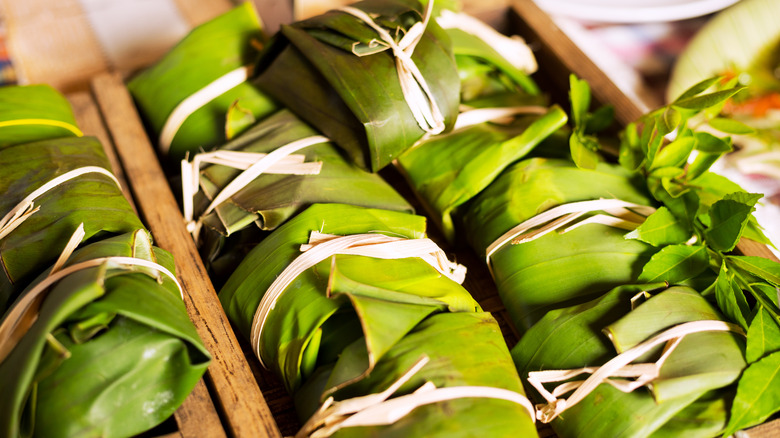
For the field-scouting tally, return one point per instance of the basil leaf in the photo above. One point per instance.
(729, 216)
(730, 126)
(675, 264)
(661, 228)
(758, 394)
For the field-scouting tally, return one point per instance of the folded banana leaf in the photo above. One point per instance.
(110, 350)
(352, 325)
(211, 51)
(340, 75)
(271, 199)
(475, 156)
(92, 198)
(34, 112)
(489, 63)
(554, 270)
(689, 395)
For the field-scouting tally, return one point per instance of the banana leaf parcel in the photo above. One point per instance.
(346, 325)
(286, 166)
(185, 99)
(536, 269)
(490, 65)
(373, 77)
(98, 346)
(50, 187)
(659, 368)
(34, 112)
(476, 155)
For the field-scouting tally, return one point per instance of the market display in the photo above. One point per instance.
(612, 252)
(95, 339)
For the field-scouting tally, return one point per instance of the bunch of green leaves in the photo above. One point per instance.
(313, 68)
(702, 219)
(584, 146)
(352, 325)
(208, 52)
(111, 352)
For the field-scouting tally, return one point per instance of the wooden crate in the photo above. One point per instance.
(239, 398)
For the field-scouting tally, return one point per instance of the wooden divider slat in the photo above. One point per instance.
(197, 416)
(236, 392)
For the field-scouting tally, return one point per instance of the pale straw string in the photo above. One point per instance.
(321, 247)
(513, 48)
(197, 100)
(474, 116)
(280, 161)
(26, 208)
(619, 366)
(24, 312)
(379, 410)
(415, 89)
(619, 216)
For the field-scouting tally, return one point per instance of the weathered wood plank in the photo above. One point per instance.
(236, 391)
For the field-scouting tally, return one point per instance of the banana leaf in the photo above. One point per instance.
(209, 52)
(94, 199)
(351, 325)
(690, 395)
(475, 156)
(481, 54)
(555, 270)
(271, 199)
(34, 112)
(112, 351)
(357, 100)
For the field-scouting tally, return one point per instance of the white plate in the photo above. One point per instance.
(632, 11)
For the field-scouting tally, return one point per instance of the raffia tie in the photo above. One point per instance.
(415, 89)
(379, 410)
(474, 116)
(617, 213)
(197, 100)
(619, 366)
(323, 246)
(280, 161)
(26, 208)
(25, 311)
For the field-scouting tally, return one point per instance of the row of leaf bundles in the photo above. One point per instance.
(365, 322)
(373, 77)
(94, 338)
(555, 234)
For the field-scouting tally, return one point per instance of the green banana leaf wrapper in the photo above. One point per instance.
(272, 199)
(689, 398)
(356, 100)
(111, 353)
(484, 72)
(208, 52)
(34, 112)
(352, 325)
(555, 270)
(93, 199)
(475, 156)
